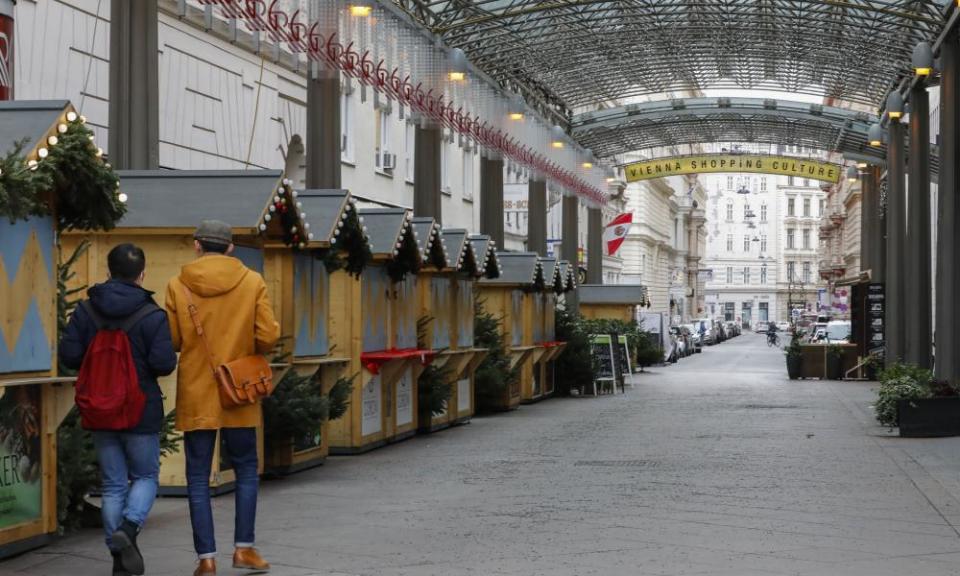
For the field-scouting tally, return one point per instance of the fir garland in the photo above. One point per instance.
(84, 188)
(407, 260)
(437, 257)
(349, 250)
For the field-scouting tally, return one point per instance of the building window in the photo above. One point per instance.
(791, 207)
(746, 274)
(444, 164)
(806, 239)
(763, 212)
(746, 211)
(763, 274)
(410, 141)
(806, 182)
(763, 184)
(346, 127)
(729, 182)
(806, 207)
(789, 180)
(729, 211)
(806, 272)
(729, 274)
(822, 204)
(467, 172)
(791, 271)
(746, 243)
(729, 311)
(790, 238)
(729, 242)
(384, 162)
(764, 312)
(763, 243)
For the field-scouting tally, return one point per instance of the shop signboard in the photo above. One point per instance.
(875, 318)
(21, 477)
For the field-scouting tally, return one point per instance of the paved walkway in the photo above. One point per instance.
(715, 466)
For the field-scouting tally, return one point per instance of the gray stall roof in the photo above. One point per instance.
(521, 268)
(485, 251)
(551, 275)
(612, 294)
(323, 209)
(182, 198)
(460, 251)
(385, 228)
(28, 120)
(567, 275)
(430, 243)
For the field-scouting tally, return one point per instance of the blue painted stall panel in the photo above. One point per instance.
(28, 316)
(311, 295)
(442, 300)
(465, 314)
(537, 317)
(516, 316)
(549, 318)
(406, 313)
(375, 302)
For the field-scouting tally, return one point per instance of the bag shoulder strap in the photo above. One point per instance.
(141, 313)
(195, 318)
(98, 320)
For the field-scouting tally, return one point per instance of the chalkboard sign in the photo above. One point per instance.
(624, 348)
(602, 352)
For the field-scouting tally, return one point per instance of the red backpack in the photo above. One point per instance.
(108, 392)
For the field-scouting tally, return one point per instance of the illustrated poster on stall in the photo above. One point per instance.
(463, 395)
(405, 399)
(20, 455)
(372, 415)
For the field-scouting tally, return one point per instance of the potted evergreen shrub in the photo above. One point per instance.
(909, 398)
(834, 362)
(794, 356)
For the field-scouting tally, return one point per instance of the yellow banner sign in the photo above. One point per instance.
(754, 163)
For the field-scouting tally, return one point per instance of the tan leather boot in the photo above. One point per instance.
(206, 567)
(249, 559)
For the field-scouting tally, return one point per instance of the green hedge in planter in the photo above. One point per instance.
(902, 382)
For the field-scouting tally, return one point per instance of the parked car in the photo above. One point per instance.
(762, 327)
(837, 332)
(705, 328)
(685, 340)
(721, 332)
(697, 345)
(733, 329)
(783, 326)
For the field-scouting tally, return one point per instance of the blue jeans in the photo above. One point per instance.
(241, 445)
(130, 468)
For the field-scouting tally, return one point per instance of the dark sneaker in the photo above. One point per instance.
(118, 569)
(125, 543)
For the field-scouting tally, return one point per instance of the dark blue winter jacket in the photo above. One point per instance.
(150, 342)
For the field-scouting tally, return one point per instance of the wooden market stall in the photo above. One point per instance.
(545, 333)
(611, 301)
(383, 350)
(510, 297)
(54, 178)
(262, 210)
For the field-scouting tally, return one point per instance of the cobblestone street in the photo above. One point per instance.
(717, 465)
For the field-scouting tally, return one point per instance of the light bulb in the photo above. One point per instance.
(83, 119)
(310, 235)
(42, 153)
(293, 229)
(263, 227)
(306, 225)
(279, 191)
(333, 240)
(276, 199)
(32, 164)
(99, 152)
(287, 182)
(302, 245)
(293, 193)
(71, 116)
(272, 208)
(122, 198)
(299, 204)
(52, 140)
(303, 215)
(267, 217)
(62, 128)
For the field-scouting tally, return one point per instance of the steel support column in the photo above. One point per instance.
(918, 288)
(948, 272)
(896, 237)
(323, 129)
(537, 216)
(878, 258)
(868, 219)
(134, 114)
(594, 246)
(570, 243)
(426, 171)
(491, 199)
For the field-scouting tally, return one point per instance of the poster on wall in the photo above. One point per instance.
(464, 393)
(405, 399)
(20, 455)
(372, 415)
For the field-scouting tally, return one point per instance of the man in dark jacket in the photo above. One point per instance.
(129, 459)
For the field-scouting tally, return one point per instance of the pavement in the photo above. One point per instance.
(717, 465)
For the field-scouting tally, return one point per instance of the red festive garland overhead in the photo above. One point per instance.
(302, 38)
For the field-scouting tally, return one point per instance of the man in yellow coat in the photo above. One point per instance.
(237, 321)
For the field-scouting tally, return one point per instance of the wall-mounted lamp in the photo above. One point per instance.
(360, 10)
(922, 59)
(895, 106)
(852, 174)
(875, 135)
(558, 136)
(458, 65)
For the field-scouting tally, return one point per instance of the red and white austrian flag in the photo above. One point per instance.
(616, 232)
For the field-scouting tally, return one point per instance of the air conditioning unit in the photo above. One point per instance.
(389, 161)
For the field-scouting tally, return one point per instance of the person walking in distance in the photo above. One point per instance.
(126, 433)
(219, 312)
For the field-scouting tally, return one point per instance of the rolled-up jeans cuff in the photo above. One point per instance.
(206, 556)
(243, 545)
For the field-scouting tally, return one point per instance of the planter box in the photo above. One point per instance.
(929, 417)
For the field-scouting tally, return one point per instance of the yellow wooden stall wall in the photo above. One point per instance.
(607, 311)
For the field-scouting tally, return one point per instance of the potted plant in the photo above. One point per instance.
(920, 406)
(834, 362)
(794, 356)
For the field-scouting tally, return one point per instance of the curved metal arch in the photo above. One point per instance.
(667, 123)
(581, 52)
